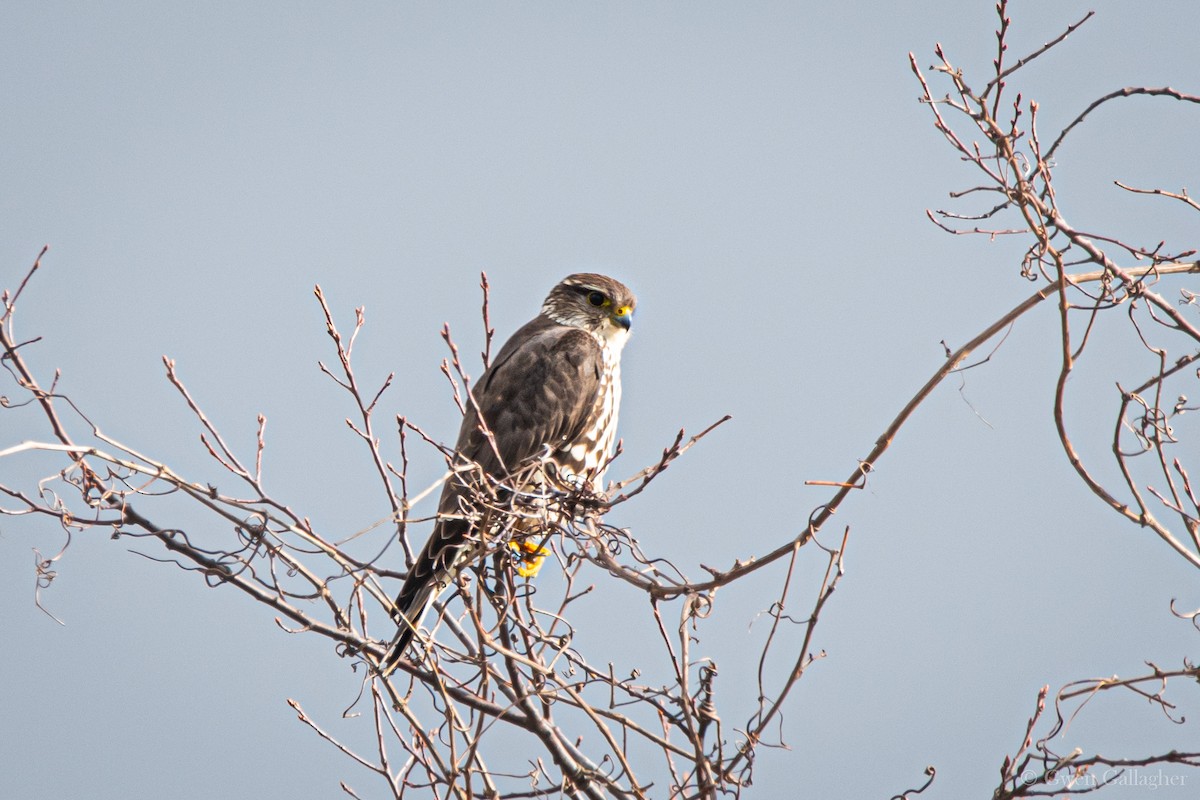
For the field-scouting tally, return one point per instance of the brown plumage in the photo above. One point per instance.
(553, 391)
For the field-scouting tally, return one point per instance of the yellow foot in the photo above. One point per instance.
(530, 556)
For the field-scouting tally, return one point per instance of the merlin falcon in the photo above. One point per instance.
(549, 404)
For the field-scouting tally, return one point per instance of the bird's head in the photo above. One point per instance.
(596, 303)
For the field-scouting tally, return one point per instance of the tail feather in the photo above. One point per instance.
(432, 571)
(408, 617)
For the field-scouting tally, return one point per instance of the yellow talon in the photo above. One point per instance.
(531, 555)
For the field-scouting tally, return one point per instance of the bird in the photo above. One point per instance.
(547, 405)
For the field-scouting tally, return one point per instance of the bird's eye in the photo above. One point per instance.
(596, 298)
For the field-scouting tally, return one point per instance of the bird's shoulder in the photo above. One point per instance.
(543, 344)
(539, 390)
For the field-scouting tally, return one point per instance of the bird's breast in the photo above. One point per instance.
(587, 456)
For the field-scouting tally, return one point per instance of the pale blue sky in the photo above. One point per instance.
(758, 173)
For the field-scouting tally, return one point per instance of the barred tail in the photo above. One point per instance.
(409, 613)
(432, 571)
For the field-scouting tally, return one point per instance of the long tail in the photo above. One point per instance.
(408, 617)
(431, 573)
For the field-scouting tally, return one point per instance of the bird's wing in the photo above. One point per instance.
(541, 390)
